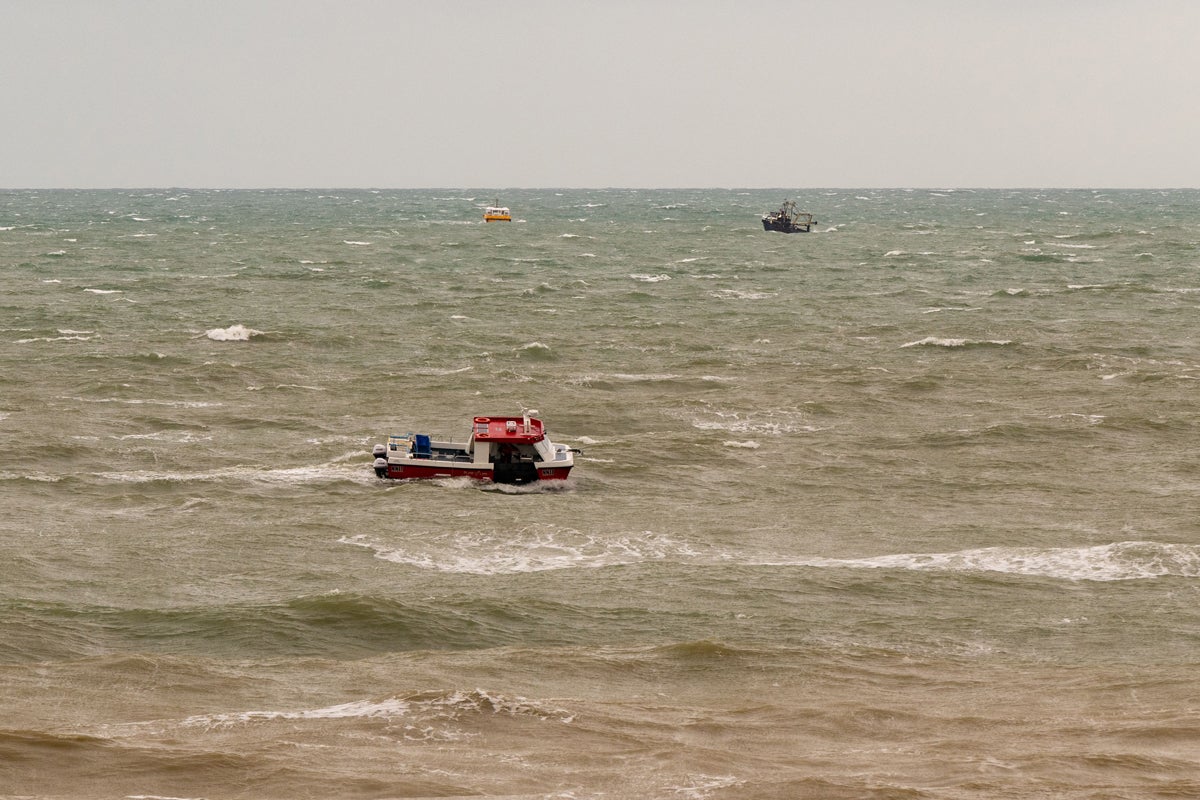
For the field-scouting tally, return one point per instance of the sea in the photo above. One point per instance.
(904, 508)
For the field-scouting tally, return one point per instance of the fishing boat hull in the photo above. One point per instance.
(402, 472)
(785, 227)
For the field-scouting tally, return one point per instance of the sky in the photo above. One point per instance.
(612, 93)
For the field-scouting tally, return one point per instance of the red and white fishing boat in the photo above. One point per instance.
(498, 449)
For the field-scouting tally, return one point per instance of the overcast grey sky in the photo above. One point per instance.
(638, 93)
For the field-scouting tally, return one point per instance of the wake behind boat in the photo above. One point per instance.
(498, 449)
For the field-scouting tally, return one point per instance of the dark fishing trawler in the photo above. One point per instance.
(788, 219)
(498, 450)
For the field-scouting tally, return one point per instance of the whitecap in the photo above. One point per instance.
(740, 294)
(103, 291)
(177, 437)
(747, 445)
(538, 548)
(637, 376)
(1119, 561)
(357, 709)
(770, 425)
(55, 339)
(37, 477)
(426, 706)
(440, 371)
(234, 333)
(651, 278)
(142, 401)
(355, 244)
(934, 341)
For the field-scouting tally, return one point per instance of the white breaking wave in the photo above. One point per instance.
(436, 705)
(234, 333)
(773, 424)
(740, 294)
(633, 376)
(358, 709)
(534, 549)
(934, 341)
(1119, 561)
(142, 401)
(178, 437)
(54, 339)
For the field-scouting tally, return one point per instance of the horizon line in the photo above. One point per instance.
(314, 188)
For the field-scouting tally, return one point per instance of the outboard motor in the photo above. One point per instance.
(380, 453)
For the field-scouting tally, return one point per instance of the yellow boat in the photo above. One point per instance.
(496, 213)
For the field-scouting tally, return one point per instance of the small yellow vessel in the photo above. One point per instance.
(496, 213)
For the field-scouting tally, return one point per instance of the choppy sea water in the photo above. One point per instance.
(901, 508)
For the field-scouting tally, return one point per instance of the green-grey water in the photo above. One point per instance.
(900, 508)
